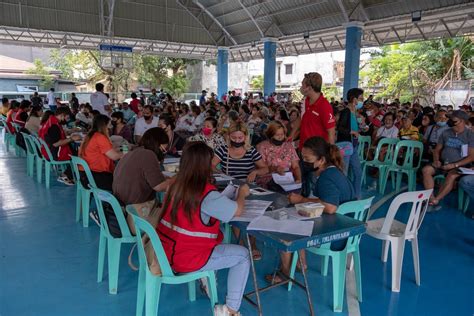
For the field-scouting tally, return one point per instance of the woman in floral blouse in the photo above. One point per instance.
(278, 154)
(209, 134)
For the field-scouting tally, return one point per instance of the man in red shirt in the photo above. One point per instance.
(318, 118)
(135, 103)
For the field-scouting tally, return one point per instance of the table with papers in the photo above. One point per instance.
(325, 229)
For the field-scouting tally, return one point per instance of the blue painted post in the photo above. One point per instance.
(269, 68)
(352, 60)
(222, 71)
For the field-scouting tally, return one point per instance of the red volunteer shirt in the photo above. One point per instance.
(134, 105)
(317, 119)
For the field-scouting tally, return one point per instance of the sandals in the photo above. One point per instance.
(256, 255)
(433, 202)
(273, 280)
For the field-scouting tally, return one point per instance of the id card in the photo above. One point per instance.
(464, 150)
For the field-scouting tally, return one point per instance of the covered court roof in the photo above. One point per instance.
(195, 28)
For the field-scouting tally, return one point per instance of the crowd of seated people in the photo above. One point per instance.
(248, 138)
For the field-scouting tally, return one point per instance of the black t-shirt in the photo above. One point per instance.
(36, 101)
(53, 136)
(22, 117)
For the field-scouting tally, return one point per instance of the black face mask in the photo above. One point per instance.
(114, 123)
(450, 123)
(308, 166)
(147, 117)
(277, 142)
(236, 144)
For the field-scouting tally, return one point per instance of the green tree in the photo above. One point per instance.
(40, 69)
(257, 83)
(176, 85)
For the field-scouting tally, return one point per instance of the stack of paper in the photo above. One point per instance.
(265, 223)
(253, 209)
(466, 170)
(169, 160)
(286, 181)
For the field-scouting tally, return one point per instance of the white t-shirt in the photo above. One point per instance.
(51, 98)
(141, 126)
(387, 132)
(98, 101)
(185, 123)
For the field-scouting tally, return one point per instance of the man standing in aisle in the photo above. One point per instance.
(318, 118)
(99, 101)
(51, 100)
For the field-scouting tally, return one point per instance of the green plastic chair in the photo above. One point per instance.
(149, 284)
(19, 152)
(83, 194)
(360, 209)
(107, 241)
(51, 163)
(390, 144)
(463, 202)
(408, 166)
(39, 158)
(30, 154)
(9, 140)
(363, 150)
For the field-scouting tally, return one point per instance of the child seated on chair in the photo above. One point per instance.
(189, 228)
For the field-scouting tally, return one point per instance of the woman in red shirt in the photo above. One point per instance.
(98, 152)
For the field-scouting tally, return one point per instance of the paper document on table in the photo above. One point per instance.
(286, 181)
(292, 213)
(222, 177)
(171, 160)
(253, 209)
(466, 170)
(295, 227)
(260, 191)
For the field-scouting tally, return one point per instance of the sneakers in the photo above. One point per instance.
(95, 217)
(223, 310)
(65, 180)
(204, 285)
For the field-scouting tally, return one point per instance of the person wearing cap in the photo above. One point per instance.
(455, 149)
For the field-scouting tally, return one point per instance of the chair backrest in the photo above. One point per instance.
(30, 146)
(76, 162)
(364, 146)
(409, 147)
(35, 141)
(419, 203)
(390, 144)
(102, 197)
(46, 148)
(144, 227)
(16, 126)
(360, 209)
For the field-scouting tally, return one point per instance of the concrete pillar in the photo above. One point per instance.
(269, 69)
(352, 60)
(222, 71)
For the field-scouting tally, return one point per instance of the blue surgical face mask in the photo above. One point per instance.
(359, 105)
(441, 124)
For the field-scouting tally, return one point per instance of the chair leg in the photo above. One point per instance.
(86, 200)
(324, 265)
(364, 174)
(47, 173)
(39, 170)
(399, 176)
(102, 249)
(397, 250)
(78, 203)
(358, 274)
(416, 259)
(293, 268)
(460, 198)
(227, 234)
(192, 290)
(114, 264)
(383, 178)
(338, 280)
(212, 288)
(152, 298)
(385, 247)
(141, 291)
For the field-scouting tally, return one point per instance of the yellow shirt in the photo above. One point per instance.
(4, 110)
(409, 134)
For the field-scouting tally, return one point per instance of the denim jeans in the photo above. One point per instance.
(237, 259)
(467, 184)
(353, 162)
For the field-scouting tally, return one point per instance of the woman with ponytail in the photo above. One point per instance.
(330, 186)
(98, 152)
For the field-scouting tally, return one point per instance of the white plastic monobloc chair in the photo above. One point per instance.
(394, 233)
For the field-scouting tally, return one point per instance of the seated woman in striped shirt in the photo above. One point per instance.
(237, 158)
